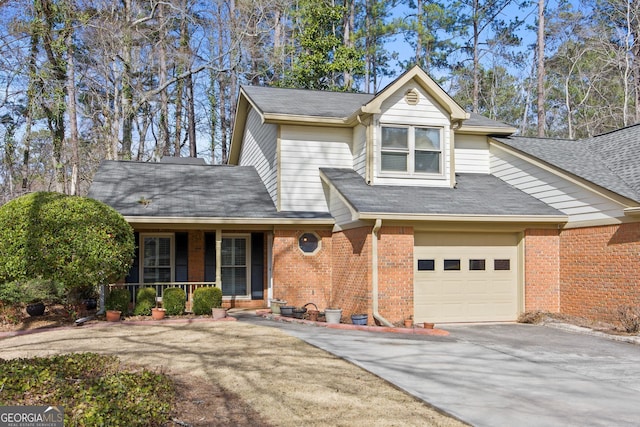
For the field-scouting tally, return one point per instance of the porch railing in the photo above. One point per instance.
(187, 287)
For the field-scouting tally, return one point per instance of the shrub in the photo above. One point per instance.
(75, 241)
(629, 316)
(145, 301)
(173, 301)
(30, 291)
(118, 299)
(204, 299)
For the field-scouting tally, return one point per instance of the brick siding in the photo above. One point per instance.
(600, 270)
(299, 278)
(542, 270)
(395, 273)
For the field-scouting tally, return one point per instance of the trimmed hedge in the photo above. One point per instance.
(204, 299)
(118, 299)
(174, 301)
(145, 301)
(75, 241)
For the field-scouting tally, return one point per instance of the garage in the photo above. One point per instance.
(466, 277)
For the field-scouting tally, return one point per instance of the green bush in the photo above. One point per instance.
(174, 301)
(75, 241)
(118, 299)
(145, 301)
(95, 390)
(204, 299)
(30, 291)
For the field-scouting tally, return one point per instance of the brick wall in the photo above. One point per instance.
(395, 273)
(542, 270)
(351, 264)
(600, 270)
(300, 278)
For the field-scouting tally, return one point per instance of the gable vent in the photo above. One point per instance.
(412, 97)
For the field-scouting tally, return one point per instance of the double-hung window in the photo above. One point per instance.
(157, 256)
(235, 266)
(411, 150)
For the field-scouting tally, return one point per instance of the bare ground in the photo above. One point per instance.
(236, 374)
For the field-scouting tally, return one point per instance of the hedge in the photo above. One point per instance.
(174, 301)
(145, 301)
(204, 299)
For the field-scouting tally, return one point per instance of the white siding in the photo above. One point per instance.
(339, 210)
(472, 154)
(259, 150)
(303, 150)
(573, 200)
(360, 150)
(395, 110)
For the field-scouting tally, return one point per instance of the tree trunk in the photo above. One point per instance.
(541, 71)
(74, 188)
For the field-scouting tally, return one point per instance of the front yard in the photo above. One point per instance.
(233, 373)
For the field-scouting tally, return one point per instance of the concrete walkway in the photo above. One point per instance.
(499, 375)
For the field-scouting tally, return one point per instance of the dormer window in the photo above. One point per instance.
(411, 150)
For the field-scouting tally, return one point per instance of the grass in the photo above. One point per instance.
(93, 389)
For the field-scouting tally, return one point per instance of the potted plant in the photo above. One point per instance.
(333, 315)
(359, 319)
(117, 304)
(408, 322)
(158, 313)
(217, 311)
(37, 292)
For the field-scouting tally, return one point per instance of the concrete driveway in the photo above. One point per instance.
(500, 375)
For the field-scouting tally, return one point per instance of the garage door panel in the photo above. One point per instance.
(475, 292)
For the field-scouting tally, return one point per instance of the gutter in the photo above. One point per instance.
(374, 273)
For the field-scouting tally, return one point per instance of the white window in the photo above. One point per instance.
(411, 150)
(235, 266)
(157, 256)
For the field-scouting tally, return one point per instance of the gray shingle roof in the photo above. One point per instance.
(477, 120)
(475, 194)
(611, 161)
(303, 102)
(340, 105)
(186, 191)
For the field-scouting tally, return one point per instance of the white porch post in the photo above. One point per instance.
(219, 258)
(269, 267)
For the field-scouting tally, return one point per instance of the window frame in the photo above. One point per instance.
(247, 265)
(172, 252)
(410, 151)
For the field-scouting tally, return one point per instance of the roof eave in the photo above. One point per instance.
(486, 130)
(541, 219)
(290, 119)
(156, 220)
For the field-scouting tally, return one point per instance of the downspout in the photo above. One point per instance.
(374, 273)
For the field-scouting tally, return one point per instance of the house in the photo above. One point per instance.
(396, 204)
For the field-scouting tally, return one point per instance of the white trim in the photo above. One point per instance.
(223, 220)
(411, 152)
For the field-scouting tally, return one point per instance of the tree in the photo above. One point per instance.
(76, 241)
(322, 59)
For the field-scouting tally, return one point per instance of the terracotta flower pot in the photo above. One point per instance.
(408, 323)
(427, 325)
(113, 315)
(158, 313)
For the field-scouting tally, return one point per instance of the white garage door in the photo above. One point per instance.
(465, 277)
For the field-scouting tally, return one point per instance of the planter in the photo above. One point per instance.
(313, 315)
(113, 315)
(408, 323)
(218, 313)
(359, 319)
(298, 312)
(158, 313)
(333, 315)
(275, 306)
(287, 310)
(35, 309)
(91, 303)
(428, 325)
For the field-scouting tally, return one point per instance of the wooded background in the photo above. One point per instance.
(86, 80)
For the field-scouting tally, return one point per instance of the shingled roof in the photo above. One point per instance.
(183, 190)
(474, 194)
(610, 161)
